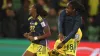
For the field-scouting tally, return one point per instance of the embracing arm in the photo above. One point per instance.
(60, 23)
(46, 34)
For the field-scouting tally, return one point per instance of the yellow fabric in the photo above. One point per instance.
(70, 46)
(4, 4)
(93, 7)
(31, 2)
(46, 8)
(63, 3)
(40, 50)
(79, 32)
(39, 18)
(30, 18)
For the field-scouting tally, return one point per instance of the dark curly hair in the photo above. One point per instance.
(77, 6)
(40, 11)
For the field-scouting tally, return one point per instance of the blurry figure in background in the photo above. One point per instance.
(85, 23)
(94, 20)
(93, 33)
(31, 2)
(9, 22)
(1, 3)
(16, 4)
(63, 3)
(43, 3)
(22, 17)
(39, 31)
(94, 29)
(93, 4)
(54, 4)
(52, 21)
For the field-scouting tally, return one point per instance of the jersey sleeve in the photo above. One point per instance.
(60, 21)
(44, 23)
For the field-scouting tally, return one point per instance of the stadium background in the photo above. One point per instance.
(13, 23)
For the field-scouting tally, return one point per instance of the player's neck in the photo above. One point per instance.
(73, 14)
(34, 16)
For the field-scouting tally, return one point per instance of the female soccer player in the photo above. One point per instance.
(39, 31)
(69, 23)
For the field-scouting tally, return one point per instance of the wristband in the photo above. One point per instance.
(35, 38)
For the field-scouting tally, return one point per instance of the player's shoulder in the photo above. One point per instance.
(40, 18)
(63, 12)
(30, 18)
(78, 16)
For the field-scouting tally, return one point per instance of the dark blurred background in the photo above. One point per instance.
(14, 18)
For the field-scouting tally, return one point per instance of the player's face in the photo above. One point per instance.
(69, 9)
(41, 2)
(32, 10)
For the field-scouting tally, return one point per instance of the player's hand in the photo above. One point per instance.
(30, 38)
(33, 38)
(60, 45)
(76, 37)
(61, 37)
(53, 53)
(25, 35)
(30, 33)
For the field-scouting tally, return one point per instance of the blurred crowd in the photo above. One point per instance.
(14, 17)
